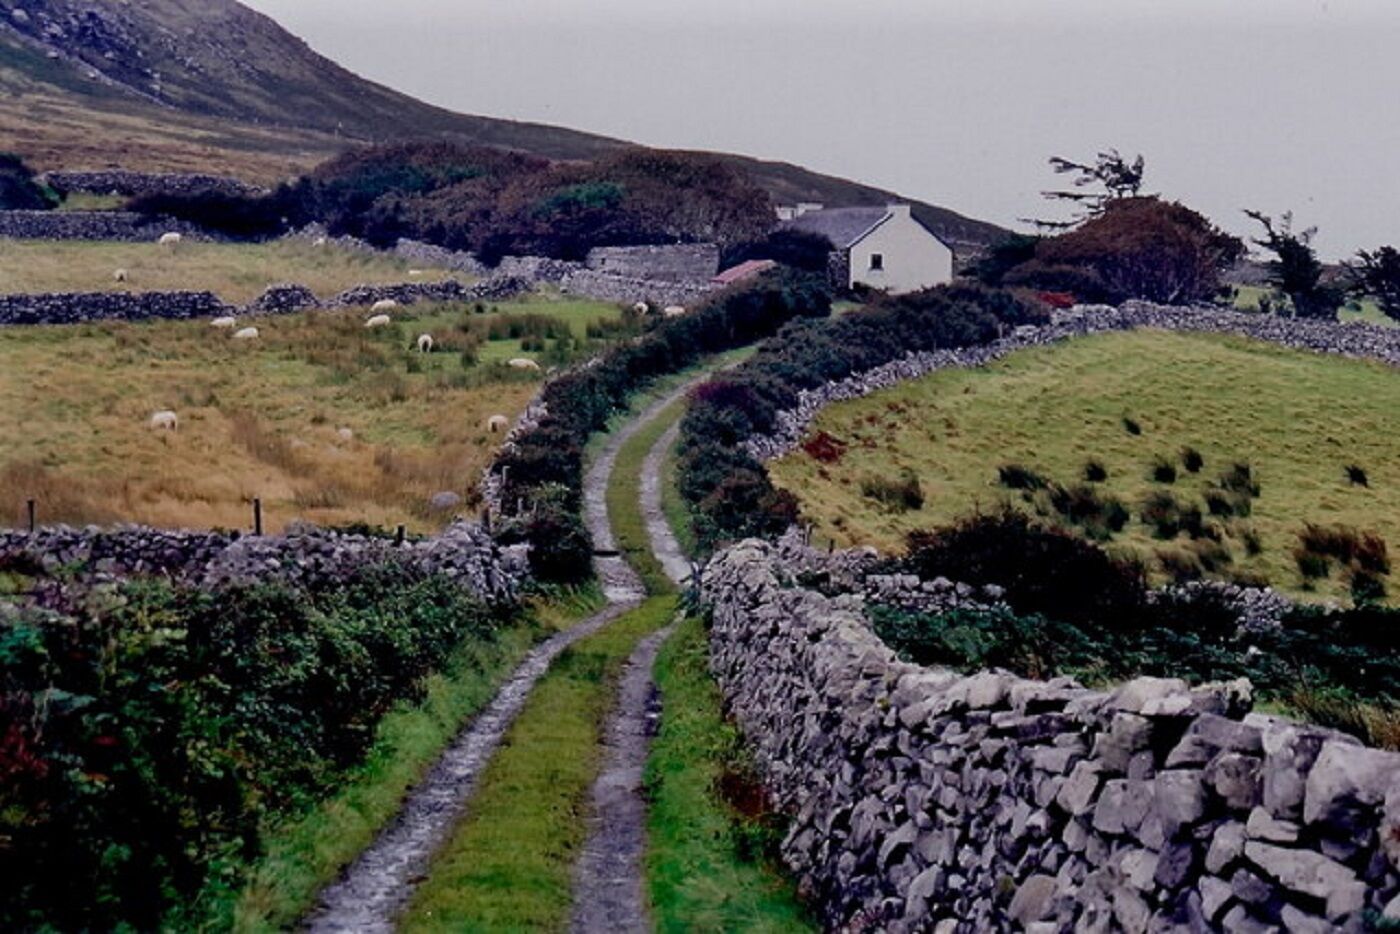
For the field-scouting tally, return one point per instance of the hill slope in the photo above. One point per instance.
(213, 85)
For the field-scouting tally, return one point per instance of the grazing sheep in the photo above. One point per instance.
(378, 321)
(345, 434)
(497, 424)
(119, 275)
(522, 363)
(384, 304)
(224, 323)
(164, 420)
(415, 272)
(319, 241)
(641, 308)
(247, 334)
(674, 311)
(169, 238)
(425, 343)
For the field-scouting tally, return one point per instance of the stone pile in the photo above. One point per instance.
(282, 300)
(305, 556)
(1361, 341)
(925, 800)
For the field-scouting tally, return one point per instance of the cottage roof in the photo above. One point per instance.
(844, 227)
(744, 270)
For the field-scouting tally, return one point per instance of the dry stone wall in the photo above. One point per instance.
(133, 184)
(124, 226)
(79, 307)
(926, 800)
(673, 262)
(304, 556)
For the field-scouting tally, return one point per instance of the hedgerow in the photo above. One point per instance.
(728, 491)
(152, 731)
(542, 471)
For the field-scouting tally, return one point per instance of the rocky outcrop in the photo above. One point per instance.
(926, 800)
(304, 556)
(1360, 341)
(282, 300)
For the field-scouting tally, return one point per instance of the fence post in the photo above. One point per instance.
(257, 516)
(399, 536)
(29, 506)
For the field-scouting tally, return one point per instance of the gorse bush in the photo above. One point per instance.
(18, 189)
(902, 494)
(154, 730)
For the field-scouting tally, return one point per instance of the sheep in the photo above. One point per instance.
(164, 420)
(378, 321)
(497, 424)
(319, 242)
(345, 434)
(384, 304)
(246, 334)
(415, 272)
(641, 308)
(425, 343)
(674, 311)
(119, 275)
(225, 323)
(522, 363)
(170, 238)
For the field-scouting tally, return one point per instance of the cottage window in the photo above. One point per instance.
(877, 262)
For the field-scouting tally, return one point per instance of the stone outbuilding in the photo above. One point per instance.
(883, 248)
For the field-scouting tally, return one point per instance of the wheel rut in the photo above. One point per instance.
(373, 890)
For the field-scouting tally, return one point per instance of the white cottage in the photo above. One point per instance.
(882, 248)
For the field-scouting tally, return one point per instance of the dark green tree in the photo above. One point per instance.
(1377, 275)
(18, 189)
(1295, 272)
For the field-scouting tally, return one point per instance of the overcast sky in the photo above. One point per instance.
(1271, 104)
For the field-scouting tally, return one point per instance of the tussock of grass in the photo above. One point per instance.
(509, 864)
(1298, 419)
(701, 873)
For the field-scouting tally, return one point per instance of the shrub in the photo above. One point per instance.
(901, 495)
(1100, 515)
(1162, 471)
(1356, 475)
(1043, 570)
(975, 639)
(1364, 550)
(1017, 477)
(1240, 479)
(253, 217)
(1312, 566)
(18, 190)
(1095, 471)
(1192, 460)
(1168, 517)
(1131, 426)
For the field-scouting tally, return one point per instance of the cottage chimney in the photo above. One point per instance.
(807, 207)
(786, 212)
(898, 210)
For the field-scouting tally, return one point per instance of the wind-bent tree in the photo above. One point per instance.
(1110, 177)
(1377, 275)
(1295, 272)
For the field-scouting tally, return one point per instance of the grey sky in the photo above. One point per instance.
(1274, 104)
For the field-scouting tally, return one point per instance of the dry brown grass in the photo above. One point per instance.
(237, 272)
(1374, 725)
(256, 420)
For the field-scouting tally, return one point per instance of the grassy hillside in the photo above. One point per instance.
(1298, 420)
(236, 272)
(239, 95)
(259, 419)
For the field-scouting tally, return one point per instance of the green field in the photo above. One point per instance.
(1297, 419)
(1247, 299)
(262, 419)
(236, 272)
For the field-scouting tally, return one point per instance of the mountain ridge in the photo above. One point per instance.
(172, 85)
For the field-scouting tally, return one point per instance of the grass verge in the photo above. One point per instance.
(705, 859)
(306, 854)
(624, 502)
(509, 864)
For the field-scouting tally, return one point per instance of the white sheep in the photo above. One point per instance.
(384, 304)
(378, 321)
(522, 363)
(497, 424)
(225, 323)
(345, 434)
(170, 238)
(415, 272)
(425, 343)
(119, 275)
(319, 242)
(246, 334)
(641, 308)
(674, 311)
(164, 420)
